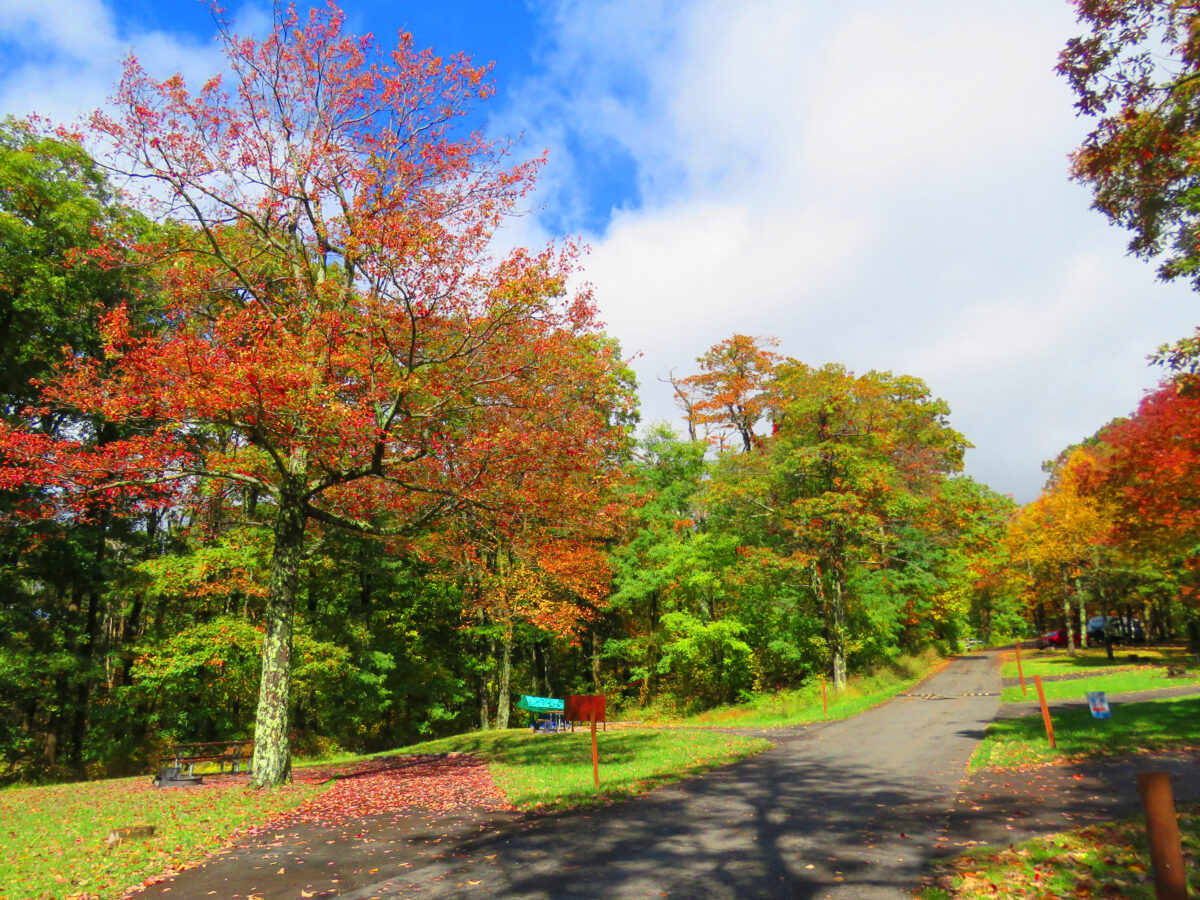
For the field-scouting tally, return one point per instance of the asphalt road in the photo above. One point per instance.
(851, 809)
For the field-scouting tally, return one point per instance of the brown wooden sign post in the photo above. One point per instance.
(579, 708)
(824, 697)
(595, 755)
(1162, 828)
(588, 708)
(1021, 671)
(1037, 680)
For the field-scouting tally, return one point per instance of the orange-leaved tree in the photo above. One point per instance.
(338, 342)
(1060, 536)
(730, 393)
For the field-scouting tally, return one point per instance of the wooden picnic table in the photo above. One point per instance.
(233, 752)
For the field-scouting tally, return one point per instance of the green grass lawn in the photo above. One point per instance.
(1121, 681)
(1134, 726)
(554, 771)
(52, 838)
(1097, 861)
(798, 707)
(1085, 660)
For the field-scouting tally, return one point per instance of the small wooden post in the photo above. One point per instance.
(1037, 680)
(595, 753)
(1021, 671)
(824, 697)
(1162, 828)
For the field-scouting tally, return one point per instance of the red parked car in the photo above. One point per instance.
(1057, 638)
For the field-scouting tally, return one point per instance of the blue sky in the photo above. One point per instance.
(880, 183)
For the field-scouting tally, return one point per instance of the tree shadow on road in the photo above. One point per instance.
(771, 826)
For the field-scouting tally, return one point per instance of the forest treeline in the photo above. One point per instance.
(286, 453)
(812, 522)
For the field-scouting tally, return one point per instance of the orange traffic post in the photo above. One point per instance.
(1162, 828)
(595, 753)
(1021, 671)
(1037, 680)
(824, 696)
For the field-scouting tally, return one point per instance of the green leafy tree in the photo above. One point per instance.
(62, 231)
(671, 593)
(851, 456)
(64, 262)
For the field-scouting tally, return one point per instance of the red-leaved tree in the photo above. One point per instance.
(1150, 472)
(338, 346)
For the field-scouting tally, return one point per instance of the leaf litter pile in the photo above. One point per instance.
(1109, 861)
(376, 804)
(437, 783)
(394, 811)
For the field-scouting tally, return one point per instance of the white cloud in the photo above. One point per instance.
(78, 28)
(882, 184)
(899, 95)
(680, 275)
(75, 49)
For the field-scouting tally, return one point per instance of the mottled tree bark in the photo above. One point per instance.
(272, 764)
(838, 628)
(833, 613)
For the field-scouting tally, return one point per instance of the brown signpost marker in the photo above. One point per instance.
(1021, 671)
(595, 754)
(824, 697)
(1037, 680)
(1162, 828)
(590, 708)
(581, 707)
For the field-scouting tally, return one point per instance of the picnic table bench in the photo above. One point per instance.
(236, 753)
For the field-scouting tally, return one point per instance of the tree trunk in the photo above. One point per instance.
(54, 726)
(86, 651)
(540, 678)
(834, 616)
(595, 661)
(504, 698)
(272, 764)
(484, 710)
(1079, 601)
(838, 632)
(81, 717)
(1067, 615)
(130, 629)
